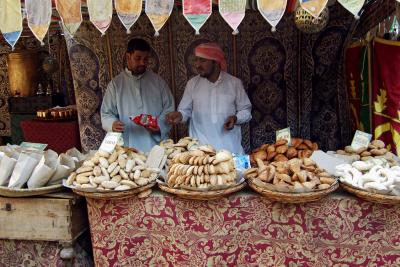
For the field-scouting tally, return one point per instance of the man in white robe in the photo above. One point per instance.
(214, 102)
(133, 92)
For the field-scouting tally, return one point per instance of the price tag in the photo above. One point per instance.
(110, 141)
(361, 139)
(284, 134)
(33, 146)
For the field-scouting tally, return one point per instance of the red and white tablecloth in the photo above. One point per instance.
(243, 230)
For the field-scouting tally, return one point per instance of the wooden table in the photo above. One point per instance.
(47, 223)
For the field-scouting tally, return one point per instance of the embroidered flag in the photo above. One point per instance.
(314, 7)
(128, 12)
(272, 11)
(233, 11)
(39, 17)
(71, 14)
(158, 12)
(11, 20)
(354, 6)
(100, 14)
(197, 12)
(386, 93)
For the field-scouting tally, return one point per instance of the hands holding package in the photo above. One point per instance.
(176, 117)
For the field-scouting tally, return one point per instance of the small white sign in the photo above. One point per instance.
(361, 140)
(284, 134)
(110, 141)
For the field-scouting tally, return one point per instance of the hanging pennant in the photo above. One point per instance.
(39, 17)
(272, 11)
(71, 15)
(354, 6)
(100, 14)
(128, 12)
(158, 12)
(197, 12)
(233, 11)
(11, 20)
(313, 7)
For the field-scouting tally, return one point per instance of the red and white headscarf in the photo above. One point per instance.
(211, 51)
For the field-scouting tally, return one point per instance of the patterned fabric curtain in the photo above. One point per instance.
(128, 12)
(39, 17)
(11, 21)
(197, 12)
(71, 15)
(386, 93)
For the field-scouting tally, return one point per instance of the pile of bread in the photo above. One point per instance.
(202, 168)
(123, 169)
(183, 145)
(294, 175)
(375, 175)
(281, 151)
(376, 149)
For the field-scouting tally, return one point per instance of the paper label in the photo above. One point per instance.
(284, 134)
(110, 141)
(360, 140)
(33, 146)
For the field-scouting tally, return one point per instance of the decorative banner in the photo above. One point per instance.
(100, 14)
(158, 12)
(39, 17)
(354, 6)
(386, 93)
(272, 11)
(197, 12)
(357, 86)
(71, 14)
(128, 12)
(314, 7)
(11, 20)
(233, 11)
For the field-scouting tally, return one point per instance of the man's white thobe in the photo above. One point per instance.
(207, 105)
(131, 95)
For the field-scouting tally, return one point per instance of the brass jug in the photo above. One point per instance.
(23, 68)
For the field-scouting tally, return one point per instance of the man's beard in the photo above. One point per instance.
(138, 70)
(207, 74)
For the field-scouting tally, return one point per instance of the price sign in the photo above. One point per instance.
(284, 134)
(110, 141)
(361, 140)
(33, 146)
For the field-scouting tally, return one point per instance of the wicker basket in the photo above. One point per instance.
(201, 195)
(292, 197)
(370, 196)
(113, 194)
(25, 192)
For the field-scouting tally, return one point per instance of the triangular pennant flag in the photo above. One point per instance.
(11, 20)
(39, 17)
(128, 12)
(313, 7)
(233, 12)
(272, 11)
(158, 12)
(197, 12)
(100, 14)
(354, 6)
(71, 14)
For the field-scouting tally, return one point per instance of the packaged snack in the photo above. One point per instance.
(146, 121)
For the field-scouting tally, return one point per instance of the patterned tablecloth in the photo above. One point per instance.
(243, 230)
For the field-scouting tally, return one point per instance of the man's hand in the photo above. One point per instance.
(230, 122)
(118, 126)
(173, 118)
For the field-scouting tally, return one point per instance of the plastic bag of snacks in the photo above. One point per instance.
(145, 120)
